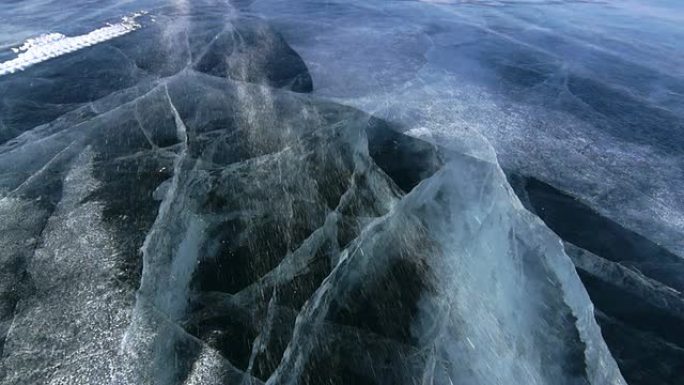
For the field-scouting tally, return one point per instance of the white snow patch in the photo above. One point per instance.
(51, 45)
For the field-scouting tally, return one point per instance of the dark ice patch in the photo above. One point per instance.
(405, 159)
(251, 51)
(580, 225)
(644, 337)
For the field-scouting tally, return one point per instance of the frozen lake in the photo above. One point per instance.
(337, 192)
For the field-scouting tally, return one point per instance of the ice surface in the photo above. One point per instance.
(589, 109)
(632, 281)
(192, 203)
(585, 97)
(71, 314)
